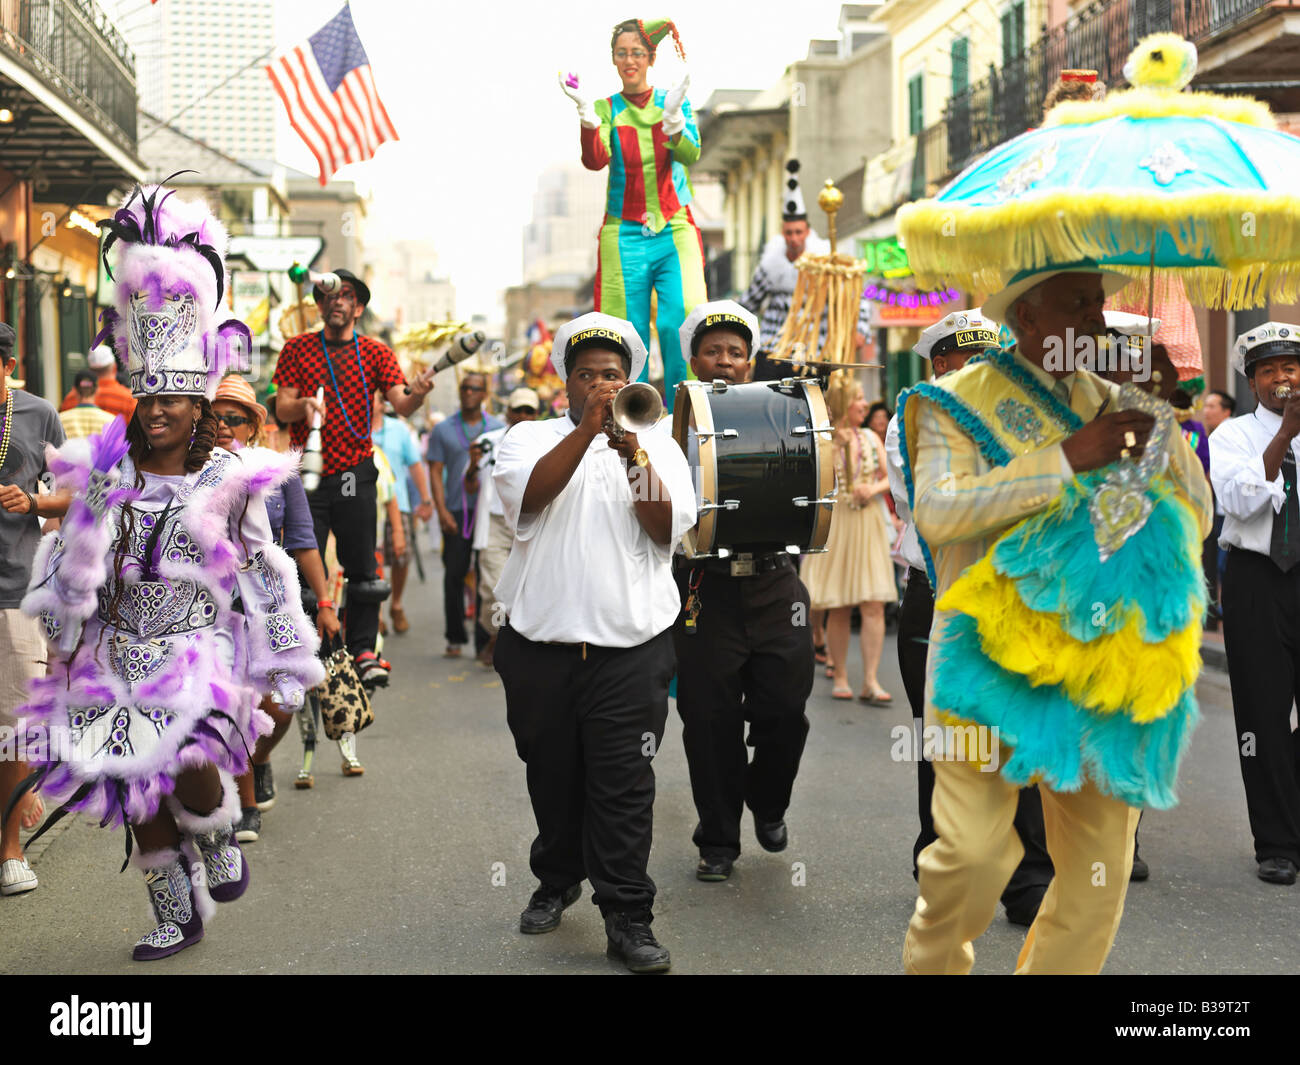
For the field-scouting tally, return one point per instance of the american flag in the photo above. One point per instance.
(328, 90)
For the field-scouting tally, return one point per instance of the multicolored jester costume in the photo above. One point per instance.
(649, 241)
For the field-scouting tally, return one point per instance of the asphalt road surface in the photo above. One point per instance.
(421, 865)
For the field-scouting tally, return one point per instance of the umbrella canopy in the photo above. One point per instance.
(1200, 185)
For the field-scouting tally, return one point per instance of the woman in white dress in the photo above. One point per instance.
(855, 569)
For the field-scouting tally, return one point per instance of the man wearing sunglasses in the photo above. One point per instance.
(492, 536)
(455, 494)
(351, 368)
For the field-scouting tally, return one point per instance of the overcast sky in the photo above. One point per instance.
(471, 89)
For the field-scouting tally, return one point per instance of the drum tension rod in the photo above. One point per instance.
(800, 430)
(726, 434)
(804, 501)
(726, 504)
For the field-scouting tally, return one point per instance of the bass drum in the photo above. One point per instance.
(763, 465)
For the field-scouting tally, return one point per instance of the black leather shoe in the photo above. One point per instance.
(1277, 870)
(1140, 869)
(713, 869)
(545, 908)
(771, 835)
(632, 942)
(1023, 911)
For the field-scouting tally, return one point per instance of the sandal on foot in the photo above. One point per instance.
(877, 697)
(33, 813)
(842, 693)
(819, 653)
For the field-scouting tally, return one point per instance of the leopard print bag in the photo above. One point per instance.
(344, 704)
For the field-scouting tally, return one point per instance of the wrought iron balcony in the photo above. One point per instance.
(1010, 100)
(73, 49)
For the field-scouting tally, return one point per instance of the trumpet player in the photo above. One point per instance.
(586, 653)
(744, 651)
(1253, 470)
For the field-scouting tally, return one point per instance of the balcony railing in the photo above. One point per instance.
(73, 47)
(1010, 100)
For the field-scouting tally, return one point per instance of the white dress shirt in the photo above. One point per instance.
(1237, 473)
(910, 546)
(582, 570)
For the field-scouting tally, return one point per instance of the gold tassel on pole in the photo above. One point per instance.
(832, 283)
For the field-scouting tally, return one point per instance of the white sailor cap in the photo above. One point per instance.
(594, 330)
(719, 314)
(1131, 325)
(960, 329)
(1263, 342)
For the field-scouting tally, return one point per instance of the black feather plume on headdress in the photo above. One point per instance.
(125, 226)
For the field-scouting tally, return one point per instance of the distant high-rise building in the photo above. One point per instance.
(568, 208)
(186, 49)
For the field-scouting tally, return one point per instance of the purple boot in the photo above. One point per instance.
(212, 836)
(172, 898)
(224, 863)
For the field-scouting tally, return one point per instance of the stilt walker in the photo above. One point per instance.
(649, 242)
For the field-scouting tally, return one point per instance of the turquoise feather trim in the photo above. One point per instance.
(1051, 739)
(1053, 561)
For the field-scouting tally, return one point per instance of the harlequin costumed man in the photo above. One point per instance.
(772, 286)
(1068, 602)
(649, 241)
(947, 345)
(742, 656)
(150, 704)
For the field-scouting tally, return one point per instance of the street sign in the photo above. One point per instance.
(275, 254)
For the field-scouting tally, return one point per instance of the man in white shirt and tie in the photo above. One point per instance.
(1253, 470)
(587, 653)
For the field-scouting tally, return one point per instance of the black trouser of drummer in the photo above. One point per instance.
(1034, 873)
(750, 660)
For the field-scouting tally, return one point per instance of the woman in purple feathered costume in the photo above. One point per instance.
(150, 705)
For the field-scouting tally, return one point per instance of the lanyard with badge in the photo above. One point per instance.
(468, 514)
(365, 384)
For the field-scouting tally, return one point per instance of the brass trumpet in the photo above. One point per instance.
(636, 408)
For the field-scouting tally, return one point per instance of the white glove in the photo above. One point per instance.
(288, 692)
(674, 120)
(586, 108)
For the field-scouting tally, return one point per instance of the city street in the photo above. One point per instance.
(421, 865)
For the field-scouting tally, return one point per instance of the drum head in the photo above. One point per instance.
(825, 458)
(693, 431)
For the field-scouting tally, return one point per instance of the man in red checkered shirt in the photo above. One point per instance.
(351, 368)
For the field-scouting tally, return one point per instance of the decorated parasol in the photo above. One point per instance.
(1200, 186)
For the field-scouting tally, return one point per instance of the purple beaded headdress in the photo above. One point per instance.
(170, 274)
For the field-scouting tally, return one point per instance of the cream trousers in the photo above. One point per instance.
(962, 874)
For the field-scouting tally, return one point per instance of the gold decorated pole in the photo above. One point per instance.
(830, 284)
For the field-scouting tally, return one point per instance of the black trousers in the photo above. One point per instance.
(456, 555)
(346, 502)
(750, 660)
(1261, 635)
(1035, 871)
(587, 722)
